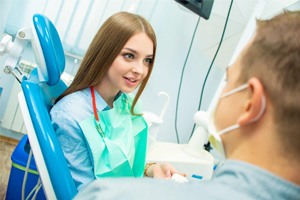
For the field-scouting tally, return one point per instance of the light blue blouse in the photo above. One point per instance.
(65, 117)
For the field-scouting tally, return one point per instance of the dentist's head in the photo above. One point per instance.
(257, 117)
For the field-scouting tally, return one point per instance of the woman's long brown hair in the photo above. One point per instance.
(104, 48)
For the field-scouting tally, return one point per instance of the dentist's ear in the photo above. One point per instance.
(253, 106)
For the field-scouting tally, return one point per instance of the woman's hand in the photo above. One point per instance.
(161, 170)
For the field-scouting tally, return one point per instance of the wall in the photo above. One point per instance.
(77, 22)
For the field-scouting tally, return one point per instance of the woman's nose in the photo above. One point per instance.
(138, 68)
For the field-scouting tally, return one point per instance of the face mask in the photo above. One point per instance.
(214, 137)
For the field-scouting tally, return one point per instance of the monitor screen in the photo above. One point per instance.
(200, 7)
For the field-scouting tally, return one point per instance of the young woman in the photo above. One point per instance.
(98, 123)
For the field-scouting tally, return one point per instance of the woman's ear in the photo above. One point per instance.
(252, 108)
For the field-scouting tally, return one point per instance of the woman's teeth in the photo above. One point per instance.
(131, 80)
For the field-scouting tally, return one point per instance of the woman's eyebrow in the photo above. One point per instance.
(134, 51)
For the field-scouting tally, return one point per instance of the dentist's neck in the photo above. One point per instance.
(261, 146)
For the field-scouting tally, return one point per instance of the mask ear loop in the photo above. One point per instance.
(215, 137)
(240, 88)
(235, 126)
(262, 109)
(259, 115)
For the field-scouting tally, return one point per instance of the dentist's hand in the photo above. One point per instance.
(161, 170)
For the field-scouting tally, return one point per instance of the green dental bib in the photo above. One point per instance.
(122, 150)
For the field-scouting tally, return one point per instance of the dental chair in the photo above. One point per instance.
(39, 91)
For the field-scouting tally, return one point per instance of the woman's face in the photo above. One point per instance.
(131, 66)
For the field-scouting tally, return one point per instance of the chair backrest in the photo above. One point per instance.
(40, 89)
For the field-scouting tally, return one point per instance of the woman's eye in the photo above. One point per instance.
(148, 61)
(128, 56)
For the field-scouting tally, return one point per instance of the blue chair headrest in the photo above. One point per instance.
(48, 50)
